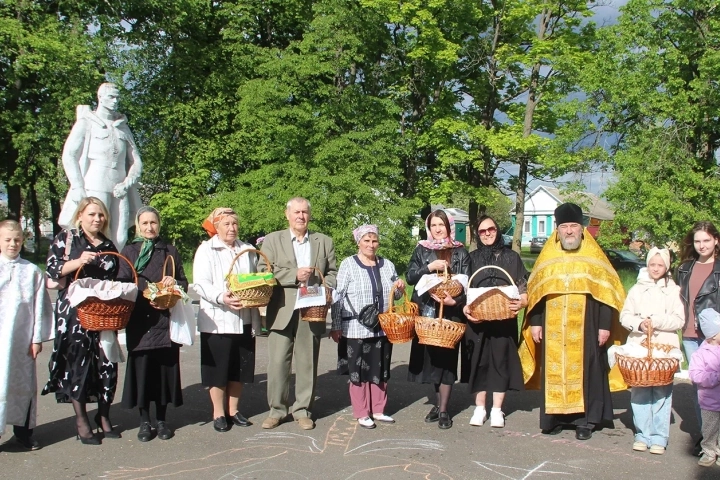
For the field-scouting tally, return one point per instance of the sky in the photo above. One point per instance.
(595, 182)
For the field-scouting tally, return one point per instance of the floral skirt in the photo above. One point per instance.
(365, 359)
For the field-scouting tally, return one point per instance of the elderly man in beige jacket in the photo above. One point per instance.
(294, 254)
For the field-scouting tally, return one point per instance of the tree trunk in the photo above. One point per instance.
(35, 207)
(524, 161)
(55, 205)
(426, 210)
(520, 206)
(14, 191)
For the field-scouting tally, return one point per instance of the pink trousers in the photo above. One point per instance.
(367, 398)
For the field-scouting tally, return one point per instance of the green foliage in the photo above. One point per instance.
(655, 88)
(372, 109)
(49, 63)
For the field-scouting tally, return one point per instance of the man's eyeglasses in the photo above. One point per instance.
(487, 231)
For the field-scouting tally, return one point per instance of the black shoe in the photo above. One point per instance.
(552, 431)
(433, 415)
(583, 433)
(221, 425)
(239, 420)
(163, 432)
(89, 441)
(110, 434)
(28, 442)
(145, 432)
(697, 449)
(444, 421)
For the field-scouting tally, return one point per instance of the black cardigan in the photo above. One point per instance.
(459, 263)
(149, 328)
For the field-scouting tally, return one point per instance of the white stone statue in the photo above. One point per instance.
(101, 160)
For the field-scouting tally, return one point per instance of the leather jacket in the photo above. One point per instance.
(707, 297)
(459, 264)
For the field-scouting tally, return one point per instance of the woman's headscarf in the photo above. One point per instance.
(148, 245)
(487, 252)
(363, 230)
(448, 242)
(215, 217)
(664, 255)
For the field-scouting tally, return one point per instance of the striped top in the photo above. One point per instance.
(356, 287)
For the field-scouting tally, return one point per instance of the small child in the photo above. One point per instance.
(25, 321)
(705, 373)
(654, 301)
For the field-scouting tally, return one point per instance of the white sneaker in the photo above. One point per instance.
(479, 416)
(366, 422)
(381, 417)
(497, 418)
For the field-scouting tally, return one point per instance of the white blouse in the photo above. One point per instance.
(210, 266)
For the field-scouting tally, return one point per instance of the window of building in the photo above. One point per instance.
(541, 228)
(527, 226)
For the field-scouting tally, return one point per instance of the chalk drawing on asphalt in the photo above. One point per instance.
(267, 447)
(545, 469)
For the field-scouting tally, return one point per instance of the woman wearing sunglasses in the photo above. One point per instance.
(491, 363)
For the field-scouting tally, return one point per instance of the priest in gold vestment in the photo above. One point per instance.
(574, 300)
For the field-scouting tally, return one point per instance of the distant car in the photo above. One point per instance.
(537, 244)
(624, 260)
(508, 240)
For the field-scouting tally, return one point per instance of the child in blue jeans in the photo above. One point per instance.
(653, 302)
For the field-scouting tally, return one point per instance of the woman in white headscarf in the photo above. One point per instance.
(653, 302)
(365, 353)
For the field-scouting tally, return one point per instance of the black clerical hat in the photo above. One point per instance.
(568, 213)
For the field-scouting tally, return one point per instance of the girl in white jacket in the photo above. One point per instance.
(653, 301)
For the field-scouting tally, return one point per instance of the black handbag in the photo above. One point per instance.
(368, 316)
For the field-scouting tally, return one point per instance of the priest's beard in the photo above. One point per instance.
(570, 243)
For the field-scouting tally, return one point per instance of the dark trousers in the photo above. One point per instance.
(24, 431)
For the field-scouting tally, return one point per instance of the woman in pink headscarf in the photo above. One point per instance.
(428, 364)
(365, 353)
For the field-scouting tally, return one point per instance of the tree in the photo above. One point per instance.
(654, 85)
(49, 63)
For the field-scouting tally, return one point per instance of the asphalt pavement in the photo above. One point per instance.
(340, 449)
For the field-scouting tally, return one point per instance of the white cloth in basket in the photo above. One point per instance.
(511, 291)
(313, 297)
(105, 290)
(635, 350)
(429, 281)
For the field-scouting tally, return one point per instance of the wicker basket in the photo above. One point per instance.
(319, 313)
(438, 331)
(255, 293)
(448, 286)
(398, 323)
(97, 315)
(648, 371)
(493, 304)
(166, 297)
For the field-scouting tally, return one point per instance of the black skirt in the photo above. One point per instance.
(227, 357)
(153, 376)
(366, 360)
(429, 364)
(490, 360)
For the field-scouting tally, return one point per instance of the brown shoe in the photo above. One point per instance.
(270, 422)
(306, 423)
